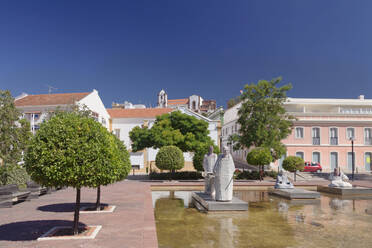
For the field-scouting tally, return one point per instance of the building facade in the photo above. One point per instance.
(323, 132)
(36, 108)
(194, 102)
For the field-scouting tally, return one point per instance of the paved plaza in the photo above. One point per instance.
(132, 224)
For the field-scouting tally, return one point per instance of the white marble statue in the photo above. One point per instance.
(208, 165)
(224, 176)
(338, 179)
(282, 181)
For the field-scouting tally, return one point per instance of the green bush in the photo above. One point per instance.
(14, 174)
(255, 175)
(182, 175)
(169, 158)
(293, 163)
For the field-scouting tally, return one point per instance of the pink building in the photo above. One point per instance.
(323, 132)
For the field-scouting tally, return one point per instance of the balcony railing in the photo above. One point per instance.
(316, 141)
(334, 141)
(368, 141)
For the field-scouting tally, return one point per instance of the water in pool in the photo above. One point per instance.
(270, 222)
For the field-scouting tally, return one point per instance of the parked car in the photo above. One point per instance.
(312, 167)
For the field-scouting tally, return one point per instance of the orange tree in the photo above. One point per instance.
(74, 150)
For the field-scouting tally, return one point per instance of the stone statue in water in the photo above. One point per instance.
(282, 181)
(338, 179)
(208, 165)
(224, 176)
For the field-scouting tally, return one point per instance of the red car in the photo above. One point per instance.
(312, 167)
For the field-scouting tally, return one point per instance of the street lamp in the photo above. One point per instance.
(352, 157)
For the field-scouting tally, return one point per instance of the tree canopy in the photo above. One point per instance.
(74, 150)
(170, 158)
(15, 132)
(178, 129)
(262, 118)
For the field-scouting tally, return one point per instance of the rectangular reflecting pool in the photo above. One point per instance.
(270, 222)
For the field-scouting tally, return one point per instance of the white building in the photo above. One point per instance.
(36, 108)
(124, 120)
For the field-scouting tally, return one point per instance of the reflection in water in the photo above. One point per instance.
(270, 222)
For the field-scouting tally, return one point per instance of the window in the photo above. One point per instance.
(299, 132)
(117, 133)
(367, 161)
(334, 160)
(103, 121)
(350, 133)
(316, 157)
(300, 154)
(333, 136)
(367, 136)
(350, 159)
(193, 105)
(316, 135)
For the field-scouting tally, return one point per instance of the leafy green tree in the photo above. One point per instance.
(293, 164)
(15, 132)
(170, 158)
(177, 129)
(74, 150)
(259, 156)
(262, 118)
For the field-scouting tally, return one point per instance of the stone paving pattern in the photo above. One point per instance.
(132, 224)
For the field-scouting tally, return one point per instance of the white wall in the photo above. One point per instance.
(95, 104)
(126, 125)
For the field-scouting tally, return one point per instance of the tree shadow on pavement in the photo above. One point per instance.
(30, 230)
(65, 207)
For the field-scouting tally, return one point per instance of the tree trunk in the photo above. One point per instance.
(260, 173)
(295, 176)
(77, 209)
(98, 202)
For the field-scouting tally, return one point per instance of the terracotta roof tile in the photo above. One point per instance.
(50, 99)
(178, 101)
(138, 113)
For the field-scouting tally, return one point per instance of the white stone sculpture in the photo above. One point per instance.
(282, 181)
(224, 176)
(338, 179)
(209, 162)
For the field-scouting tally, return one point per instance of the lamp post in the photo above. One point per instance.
(352, 157)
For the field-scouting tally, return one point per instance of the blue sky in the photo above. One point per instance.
(130, 50)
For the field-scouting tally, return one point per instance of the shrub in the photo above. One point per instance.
(14, 174)
(170, 158)
(255, 175)
(182, 175)
(293, 163)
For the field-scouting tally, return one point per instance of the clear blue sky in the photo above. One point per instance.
(129, 50)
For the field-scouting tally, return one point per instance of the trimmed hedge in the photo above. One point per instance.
(254, 175)
(183, 175)
(170, 158)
